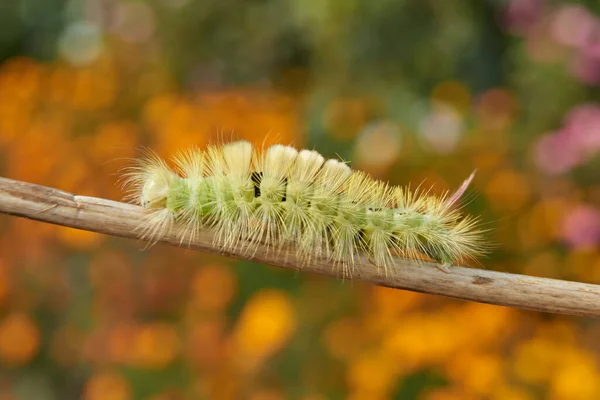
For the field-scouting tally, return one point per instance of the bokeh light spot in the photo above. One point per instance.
(81, 43)
(19, 339)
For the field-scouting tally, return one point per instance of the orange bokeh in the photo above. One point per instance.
(213, 288)
(107, 386)
(265, 325)
(19, 339)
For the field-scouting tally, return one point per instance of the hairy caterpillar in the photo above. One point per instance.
(284, 197)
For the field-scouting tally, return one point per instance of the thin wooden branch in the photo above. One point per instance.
(120, 219)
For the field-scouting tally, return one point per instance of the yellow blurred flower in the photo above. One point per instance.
(264, 326)
(542, 358)
(577, 378)
(374, 372)
(559, 331)
(393, 302)
(425, 339)
(477, 373)
(491, 323)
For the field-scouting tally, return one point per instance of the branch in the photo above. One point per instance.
(120, 219)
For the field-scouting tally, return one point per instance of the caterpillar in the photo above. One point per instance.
(281, 196)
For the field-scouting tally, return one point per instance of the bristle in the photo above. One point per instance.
(277, 161)
(238, 158)
(335, 173)
(299, 224)
(190, 163)
(307, 165)
(284, 197)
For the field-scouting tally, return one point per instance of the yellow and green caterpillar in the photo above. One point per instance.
(284, 197)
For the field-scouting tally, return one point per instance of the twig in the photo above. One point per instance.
(120, 219)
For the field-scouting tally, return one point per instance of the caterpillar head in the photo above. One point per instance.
(156, 188)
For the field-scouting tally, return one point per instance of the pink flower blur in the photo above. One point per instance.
(576, 142)
(585, 66)
(522, 14)
(574, 26)
(581, 227)
(582, 125)
(556, 153)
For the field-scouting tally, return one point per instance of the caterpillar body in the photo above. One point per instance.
(284, 197)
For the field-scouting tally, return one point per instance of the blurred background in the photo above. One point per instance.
(408, 90)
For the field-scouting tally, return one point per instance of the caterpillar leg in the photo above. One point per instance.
(444, 261)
